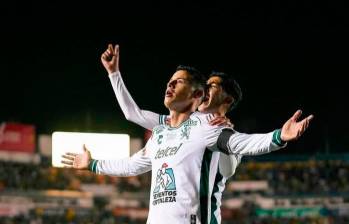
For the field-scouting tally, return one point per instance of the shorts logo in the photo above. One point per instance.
(165, 186)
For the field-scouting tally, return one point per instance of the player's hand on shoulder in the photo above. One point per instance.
(216, 119)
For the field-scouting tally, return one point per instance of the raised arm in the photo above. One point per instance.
(144, 118)
(137, 164)
(132, 112)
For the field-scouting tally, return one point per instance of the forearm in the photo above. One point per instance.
(132, 112)
(232, 142)
(135, 165)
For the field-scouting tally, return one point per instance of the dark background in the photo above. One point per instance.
(286, 56)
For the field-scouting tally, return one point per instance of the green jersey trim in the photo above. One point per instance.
(204, 185)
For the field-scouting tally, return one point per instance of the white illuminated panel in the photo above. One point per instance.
(101, 146)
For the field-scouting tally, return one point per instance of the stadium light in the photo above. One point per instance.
(101, 146)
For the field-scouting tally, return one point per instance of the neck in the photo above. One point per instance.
(177, 118)
(220, 111)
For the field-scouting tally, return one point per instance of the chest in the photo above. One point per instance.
(186, 142)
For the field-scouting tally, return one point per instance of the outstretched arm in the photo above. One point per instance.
(144, 118)
(137, 164)
(232, 142)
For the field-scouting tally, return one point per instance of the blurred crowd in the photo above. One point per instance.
(69, 218)
(108, 218)
(18, 176)
(296, 178)
(284, 178)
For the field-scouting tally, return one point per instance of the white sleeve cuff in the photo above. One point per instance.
(114, 74)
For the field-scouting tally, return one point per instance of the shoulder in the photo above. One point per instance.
(158, 129)
(203, 118)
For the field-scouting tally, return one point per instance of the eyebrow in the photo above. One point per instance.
(178, 79)
(217, 83)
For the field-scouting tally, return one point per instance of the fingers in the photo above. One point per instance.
(116, 49)
(69, 163)
(110, 52)
(209, 118)
(71, 154)
(71, 158)
(302, 129)
(110, 49)
(220, 121)
(310, 117)
(215, 115)
(306, 121)
(296, 115)
(305, 124)
(105, 55)
(215, 121)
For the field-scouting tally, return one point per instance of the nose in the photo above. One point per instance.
(172, 84)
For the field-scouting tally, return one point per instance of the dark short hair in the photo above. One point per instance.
(198, 79)
(230, 86)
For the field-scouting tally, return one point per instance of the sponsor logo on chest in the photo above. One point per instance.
(169, 151)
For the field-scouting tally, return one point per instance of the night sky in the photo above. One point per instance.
(286, 56)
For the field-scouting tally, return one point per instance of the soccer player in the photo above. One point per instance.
(223, 95)
(184, 154)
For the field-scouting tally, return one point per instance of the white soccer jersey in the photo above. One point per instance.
(227, 163)
(184, 168)
(149, 120)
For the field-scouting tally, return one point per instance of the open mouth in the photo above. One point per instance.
(169, 93)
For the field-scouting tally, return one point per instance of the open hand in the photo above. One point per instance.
(293, 129)
(77, 161)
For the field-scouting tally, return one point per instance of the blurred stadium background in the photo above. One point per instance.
(287, 55)
(287, 189)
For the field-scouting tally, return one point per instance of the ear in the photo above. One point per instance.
(198, 93)
(228, 100)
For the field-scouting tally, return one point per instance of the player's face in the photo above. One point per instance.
(179, 92)
(215, 96)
